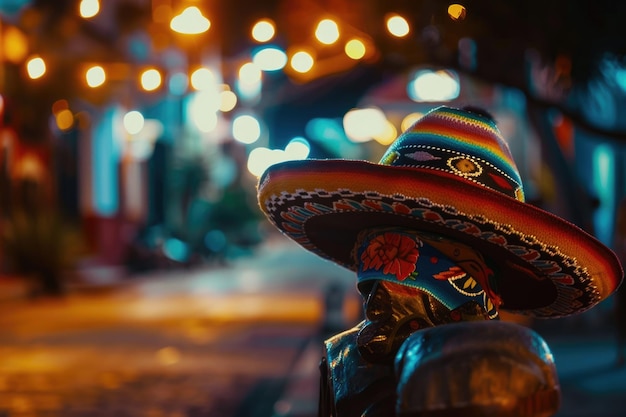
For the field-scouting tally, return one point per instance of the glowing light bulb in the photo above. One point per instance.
(150, 79)
(36, 67)
(398, 26)
(190, 22)
(355, 49)
(263, 30)
(327, 31)
(302, 61)
(133, 122)
(95, 76)
(89, 8)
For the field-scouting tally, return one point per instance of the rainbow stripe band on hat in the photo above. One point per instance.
(460, 143)
(451, 174)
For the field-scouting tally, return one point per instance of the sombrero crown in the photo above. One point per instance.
(451, 174)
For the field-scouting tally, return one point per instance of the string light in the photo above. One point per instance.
(270, 58)
(246, 129)
(355, 49)
(302, 61)
(89, 8)
(263, 30)
(150, 79)
(398, 26)
(190, 22)
(36, 67)
(203, 79)
(327, 31)
(95, 76)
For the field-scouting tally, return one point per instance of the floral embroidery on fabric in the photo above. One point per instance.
(454, 272)
(397, 254)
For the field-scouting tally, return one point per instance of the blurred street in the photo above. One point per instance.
(238, 340)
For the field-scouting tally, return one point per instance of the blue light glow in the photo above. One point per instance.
(176, 249)
(604, 186)
(105, 157)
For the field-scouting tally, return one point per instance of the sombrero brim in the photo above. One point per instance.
(547, 267)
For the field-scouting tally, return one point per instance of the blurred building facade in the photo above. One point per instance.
(147, 142)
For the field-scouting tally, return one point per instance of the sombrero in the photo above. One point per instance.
(451, 174)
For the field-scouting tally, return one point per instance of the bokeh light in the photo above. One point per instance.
(302, 61)
(178, 251)
(263, 30)
(95, 76)
(362, 125)
(150, 79)
(203, 79)
(246, 129)
(262, 158)
(457, 11)
(64, 119)
(327, 31)
(203, 108)
(228, 100)
(133, 122)
(398, 26)
(270, 59)
(249, 82)
(14, 45)
(409, 120)
(355, 49)
(60, 105)
(297, 148)
(36, 67)
(89, 8)
(386, 135)
(433, 86)
(190, 22)
(249, 73)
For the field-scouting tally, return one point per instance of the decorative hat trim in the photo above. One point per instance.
(450, 174)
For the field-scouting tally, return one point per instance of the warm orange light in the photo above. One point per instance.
(457, 12)
(327, 31)
(14, 45)
(89, 8)
(95, 76)
(355, 49)
(36, 67)
(59, 106)
(263, 30)
(302, 61)
(150, 79)
(64, 119)
(398, 26)
(190, 22)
